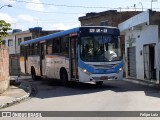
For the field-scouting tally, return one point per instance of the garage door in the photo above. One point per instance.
(131, 61)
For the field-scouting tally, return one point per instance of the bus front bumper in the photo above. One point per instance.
(100, 77)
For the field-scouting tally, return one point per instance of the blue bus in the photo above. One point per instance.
(89, 54)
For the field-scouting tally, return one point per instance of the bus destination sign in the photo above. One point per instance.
(92, 30)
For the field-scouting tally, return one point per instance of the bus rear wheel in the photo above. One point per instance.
(64, 78)
(33, 74)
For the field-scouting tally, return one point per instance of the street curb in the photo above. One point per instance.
(24, 86)
(141, 82)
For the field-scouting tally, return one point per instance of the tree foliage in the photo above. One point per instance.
(4, 27)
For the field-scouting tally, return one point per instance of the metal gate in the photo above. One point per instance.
(131, 51)
(14, 65)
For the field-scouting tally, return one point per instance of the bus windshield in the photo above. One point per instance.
(100, 48)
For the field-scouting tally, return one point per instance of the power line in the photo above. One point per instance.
(40, 21)
(67, 13)
(17, 7)
(51, 4)
(71, 6)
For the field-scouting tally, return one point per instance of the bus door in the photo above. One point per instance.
(26, 58)
(42, 58)
(73, 58)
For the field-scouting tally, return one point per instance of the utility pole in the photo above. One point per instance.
(135, 7)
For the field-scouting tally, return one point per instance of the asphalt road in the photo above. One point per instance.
(112, 96)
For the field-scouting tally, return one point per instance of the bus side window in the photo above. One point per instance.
(21, 50)
(32, 49)
(28, 49)
(56, 45)
(49, 45)
(65, 46)
(36, 49)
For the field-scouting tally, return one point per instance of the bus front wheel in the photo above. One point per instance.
(64, 78)
(33, 74)
(99, 83)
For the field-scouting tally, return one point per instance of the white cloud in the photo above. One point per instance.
(8, 1)
(27, 21)
(27, 18)
(36, 5)
(80, 15)
(7, 18)
(61, 26)
(50, 8)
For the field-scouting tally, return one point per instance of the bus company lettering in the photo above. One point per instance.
(98, 30)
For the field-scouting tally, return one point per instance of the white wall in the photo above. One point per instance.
(11, 48)
(147, 35)
(15, 49)
(140, 19)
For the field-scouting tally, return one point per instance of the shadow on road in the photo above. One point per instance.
(55, 89)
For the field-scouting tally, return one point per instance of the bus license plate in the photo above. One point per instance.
(104, 78)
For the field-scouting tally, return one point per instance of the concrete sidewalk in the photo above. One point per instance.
(142, 82)
(17, 92)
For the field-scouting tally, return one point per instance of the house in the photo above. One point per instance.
(142, 46)
(106, 18)
(13, 41)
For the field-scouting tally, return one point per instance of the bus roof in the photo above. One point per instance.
(53, 35)
(58, 34)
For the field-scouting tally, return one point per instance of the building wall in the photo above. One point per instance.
(4, 69)
(112, 16)
(147, 35)
(12, 47)
(14, 50)
(22, 36)
(138, 20)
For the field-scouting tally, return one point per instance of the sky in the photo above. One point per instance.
(63, 14)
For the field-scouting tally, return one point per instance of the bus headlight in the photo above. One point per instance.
(120, 70)
(86, 72)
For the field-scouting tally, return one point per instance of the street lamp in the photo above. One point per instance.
(5, 5)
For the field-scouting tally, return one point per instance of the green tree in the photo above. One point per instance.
(4, 27)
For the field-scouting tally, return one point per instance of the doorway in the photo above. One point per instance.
(131, 52)
(73, 58)
(42, 58)
(149, 62)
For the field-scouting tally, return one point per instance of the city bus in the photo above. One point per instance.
(85, 54)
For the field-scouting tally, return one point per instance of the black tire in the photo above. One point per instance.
(64, 78)
(33, 74)
(99, 83)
